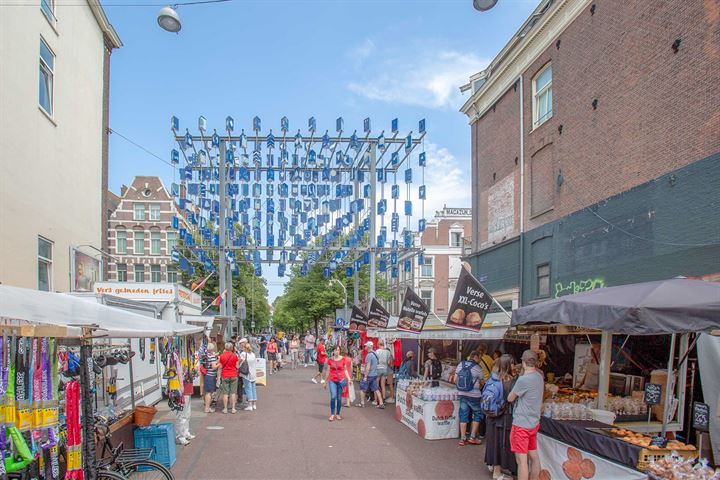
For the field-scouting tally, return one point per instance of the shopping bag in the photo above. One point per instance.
(351, 392)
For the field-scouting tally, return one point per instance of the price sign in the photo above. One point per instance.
(659, 441)
(653, 393)
(701, 416)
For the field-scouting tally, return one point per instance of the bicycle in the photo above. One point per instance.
(122, 463)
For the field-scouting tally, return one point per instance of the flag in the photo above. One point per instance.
(220, 298)
(198, 286)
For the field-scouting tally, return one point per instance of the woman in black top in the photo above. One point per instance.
(497, 436)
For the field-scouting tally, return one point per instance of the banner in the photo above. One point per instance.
(358, 319)
(413, 313)
(260, 371)
(378, 317)
(470, 304)
(85, 271)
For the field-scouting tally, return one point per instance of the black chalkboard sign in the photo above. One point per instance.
(653, 394)
(701, 416)
(659, 441)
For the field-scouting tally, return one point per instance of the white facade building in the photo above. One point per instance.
(54, 86)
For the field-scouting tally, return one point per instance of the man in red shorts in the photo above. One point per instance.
(527, 394)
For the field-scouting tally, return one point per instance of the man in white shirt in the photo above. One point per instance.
(309, 347)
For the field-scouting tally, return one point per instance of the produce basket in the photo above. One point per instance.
(648, 456)
(144, 415)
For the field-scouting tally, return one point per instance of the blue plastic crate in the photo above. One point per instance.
(161, 438)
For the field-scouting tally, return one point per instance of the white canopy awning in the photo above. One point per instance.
(22, 305)
(494, 328)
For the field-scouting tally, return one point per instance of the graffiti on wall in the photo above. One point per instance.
(578, 286)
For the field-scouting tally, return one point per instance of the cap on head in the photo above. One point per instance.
(529, 358)
(243, 340)
(410, 354)
(369, 344)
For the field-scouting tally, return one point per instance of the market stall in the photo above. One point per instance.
(673, 307)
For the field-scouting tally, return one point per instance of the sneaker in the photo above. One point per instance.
(224, 410)
(313, 380)
(390, 400)
(474, 441)
(183, 441)
(190, 436)
(233, 411)
(381, 406)
(248, 408)
(254, 407)
(322, 381)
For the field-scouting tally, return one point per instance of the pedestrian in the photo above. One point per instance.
(338, 376)
(498, 417)
(496, 354)
(485, 361)
(255, 345)
(272, 351)
(182, 422)
(468, 379)
(309, 347)
(263, 345)
(248, 357)
(348, 386)
(209, 370)
(229, 377)
(385, 371)
(294, 351)
(321, 357)
(239, 348)
(527, 395)
(433, 368)
(280, 341)
(370, 377)
(408, 368)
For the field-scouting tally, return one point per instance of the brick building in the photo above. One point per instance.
(140, 233)
(443, 243)
(596, 149)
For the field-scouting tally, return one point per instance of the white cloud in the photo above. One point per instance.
(429, 79)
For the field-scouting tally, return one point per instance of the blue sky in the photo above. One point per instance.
(324, 58)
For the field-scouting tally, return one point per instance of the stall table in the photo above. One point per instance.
(431, 419)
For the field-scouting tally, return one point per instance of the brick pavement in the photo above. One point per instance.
(289, 436)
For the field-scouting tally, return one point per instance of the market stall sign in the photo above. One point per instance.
(358, 319)
(701, 416)
(413, 313)
(653, 393)
(659, 441)
(378, 317)
(470, 304)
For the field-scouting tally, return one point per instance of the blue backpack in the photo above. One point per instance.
(465, 381)
(402, 371)
(492, 401)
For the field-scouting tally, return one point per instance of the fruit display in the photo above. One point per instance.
(643, 441)
(674, 467)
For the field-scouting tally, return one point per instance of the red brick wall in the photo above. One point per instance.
(657, 110)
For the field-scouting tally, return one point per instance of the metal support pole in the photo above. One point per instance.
(373, 217)
(356, 223)
(668, 385)
(223, 223)
(130, 372)
(605, 359)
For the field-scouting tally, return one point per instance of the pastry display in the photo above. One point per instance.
(674, 467)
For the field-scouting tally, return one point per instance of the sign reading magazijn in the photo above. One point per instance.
(378, 317)
(470, 303)
(413, 314)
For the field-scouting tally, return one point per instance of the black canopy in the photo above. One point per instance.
(679, 305)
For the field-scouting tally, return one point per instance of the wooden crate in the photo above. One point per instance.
(648, 456)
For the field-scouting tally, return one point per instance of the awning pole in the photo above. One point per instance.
(668, 384)
(605, 356)
(501, 308)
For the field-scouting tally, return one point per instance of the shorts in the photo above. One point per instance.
(522, 440)
(210, 383)
(229, 386)
(321, 367)
(382, 373)
(272, 356)
(470, 408)
(372, 384)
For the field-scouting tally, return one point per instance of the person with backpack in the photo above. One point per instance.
(498, 418)
(248, 372)
(407, 367)
(385, 372)
(468, 379)
(433, 368)
(369, 382)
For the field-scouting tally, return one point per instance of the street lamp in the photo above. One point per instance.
(484, 5)
(345, 292)
(169, 20)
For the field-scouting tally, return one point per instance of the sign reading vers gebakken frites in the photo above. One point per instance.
(471, 303)
(413, 314)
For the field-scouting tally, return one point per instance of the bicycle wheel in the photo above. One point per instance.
(109, 475)
(146, 470)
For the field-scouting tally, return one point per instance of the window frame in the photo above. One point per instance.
(171, 244)
(431, 307)
(155, 269)
(50, 12)
(47, 262)
(158, 234)
(171, 270)
(460, 236)
(136, 269)
(124, 250)
(136, 251)
(432, 267)
(155, 208)
(538, 277)
(537, 120)
(135, 211)
(51, 76)
(122, 270)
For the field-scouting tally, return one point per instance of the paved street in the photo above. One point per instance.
(289, 436)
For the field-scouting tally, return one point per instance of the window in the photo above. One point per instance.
(47, 77)
(155, 242)
(171, 274)
(542, 96)
(426, 269)
(45, 255)
(139, 246)
(543, 280)
(155, 273)
(139, 212)
(121, 241)
(171, 241)
(455, 239)
(139, 273)
(154, 212)
(48, 8)
(426, 296)
(542, 181)
(122, 272)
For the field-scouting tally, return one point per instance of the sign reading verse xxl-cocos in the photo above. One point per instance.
(413, 314)
(470, 303)
(378, 317)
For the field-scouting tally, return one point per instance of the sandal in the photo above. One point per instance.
(338, 417)
(359, 405)
(474, 441)
(462, 443)
(332, 417)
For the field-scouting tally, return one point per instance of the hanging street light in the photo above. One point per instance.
(169, 20)
(484, 5)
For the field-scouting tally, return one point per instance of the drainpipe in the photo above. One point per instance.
(522, 194)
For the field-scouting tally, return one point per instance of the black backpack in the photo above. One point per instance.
(435, 369)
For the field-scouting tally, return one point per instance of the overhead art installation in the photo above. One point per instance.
(282, 198)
